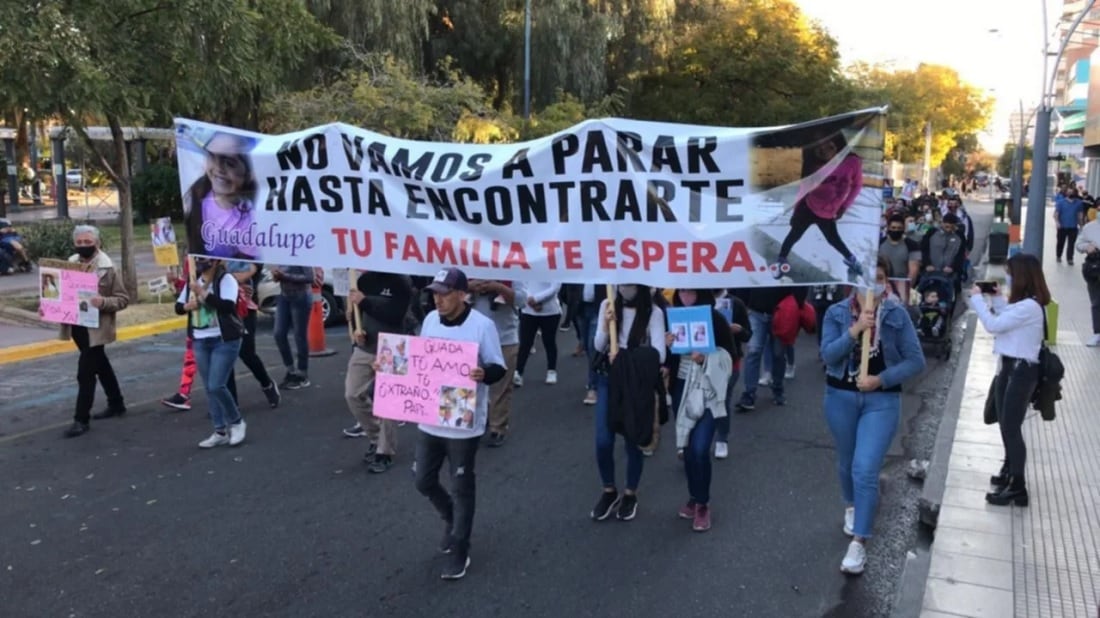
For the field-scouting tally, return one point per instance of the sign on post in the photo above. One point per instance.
(164, 242)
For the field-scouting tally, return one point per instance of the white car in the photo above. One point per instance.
(74, 177)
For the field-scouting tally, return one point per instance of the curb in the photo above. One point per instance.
(21, 317)
(41, 349)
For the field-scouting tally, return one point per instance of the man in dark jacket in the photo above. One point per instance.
(761, 303)
(382, 301)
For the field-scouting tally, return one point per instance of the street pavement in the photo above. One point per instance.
(133, 519)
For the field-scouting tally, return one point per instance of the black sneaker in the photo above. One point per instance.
(355, 431)
(605, 505)
(779, 399)
(287, 379)
(295, 382)
(495, 440)
(628, 507)
(746, 404)
(379, 464)
(109, 412)
(271, 391)
(177, 402)
(447, 544)
(372, 452)
(76, 429)
(456, 566)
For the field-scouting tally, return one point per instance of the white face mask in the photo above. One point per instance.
(628, 292)
(880, 289)
(1008, 282)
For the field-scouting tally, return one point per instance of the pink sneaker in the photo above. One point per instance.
(702, 518)
(687, 511)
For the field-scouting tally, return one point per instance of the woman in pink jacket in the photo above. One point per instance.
(822, 201)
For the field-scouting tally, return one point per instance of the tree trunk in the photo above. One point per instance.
(125, 207)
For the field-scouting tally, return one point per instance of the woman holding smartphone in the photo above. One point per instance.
(1017, 324)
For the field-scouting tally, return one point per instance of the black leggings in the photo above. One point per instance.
(1066, 239)
(528, 326)
(801, 221)
(248, 352)
(1012, 391)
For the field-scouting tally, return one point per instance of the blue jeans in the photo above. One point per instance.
(586, 332)
(605, 445)
(723, 424)
(863, 425)
(762, 339)
(215, 359)
(697, 459)
(293, 312)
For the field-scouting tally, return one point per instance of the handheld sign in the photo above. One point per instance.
(66, 290)
(691, 329)
(426, 380)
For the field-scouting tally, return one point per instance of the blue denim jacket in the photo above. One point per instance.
(900, 347)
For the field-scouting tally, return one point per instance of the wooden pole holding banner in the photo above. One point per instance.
(612, 331)
(355, 325)
(191, 277)
(865, 351)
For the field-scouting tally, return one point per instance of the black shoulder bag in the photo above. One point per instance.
(1051, 371)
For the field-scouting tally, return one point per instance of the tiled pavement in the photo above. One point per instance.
(1044, 560)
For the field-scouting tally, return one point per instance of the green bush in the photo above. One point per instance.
(48, 239)
(156, 193)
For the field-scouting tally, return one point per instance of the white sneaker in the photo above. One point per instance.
(215, 439)
(551, 377)
(517, 380)
(850, 521)
(789, 374)
(765, 379)
(1094, 342)
(236, 433)
(533, 350)
(721, 450)
(855, 559)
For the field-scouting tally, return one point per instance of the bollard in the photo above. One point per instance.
(317, 328)
(1052, 323)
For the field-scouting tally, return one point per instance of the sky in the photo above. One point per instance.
(1007, 64)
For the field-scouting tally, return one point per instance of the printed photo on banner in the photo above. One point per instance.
(165, 252)
(691, 328)
(427, 381)
(604, 201)
(219, 191)
(51, 283)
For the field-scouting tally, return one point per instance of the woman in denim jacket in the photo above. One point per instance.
(863, 411)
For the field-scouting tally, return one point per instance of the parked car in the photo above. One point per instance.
(332, 306)
(75, 178)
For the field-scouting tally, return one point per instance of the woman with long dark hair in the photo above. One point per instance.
(639, 323)
(863, 410)
(1017, 325)
(822, 201)
(220, 205)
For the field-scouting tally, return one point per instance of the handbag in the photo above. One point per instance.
(1090, 269)
(1051, 371)
(989, 415)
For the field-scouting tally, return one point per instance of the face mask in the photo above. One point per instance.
(86, 252)
(928, 216)
(688, 298)
(895, 234)
(1008, 282)
(880, 289)
(628, 292)
(911, 227)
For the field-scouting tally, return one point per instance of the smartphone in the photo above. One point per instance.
(987, 287)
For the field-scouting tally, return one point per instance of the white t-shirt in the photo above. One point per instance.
(656, 329)
(478, 329)
(545, 293)
(204, 320)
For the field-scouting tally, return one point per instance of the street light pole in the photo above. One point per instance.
(1040, 161)
(527, 60)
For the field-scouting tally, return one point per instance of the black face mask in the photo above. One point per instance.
(895, 234)
(86, 252)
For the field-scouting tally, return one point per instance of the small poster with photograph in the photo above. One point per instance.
(66, 290)
(164, 242)
(694, 325)
(725, 307)
(427, 381)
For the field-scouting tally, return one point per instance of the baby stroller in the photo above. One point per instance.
(936, 309)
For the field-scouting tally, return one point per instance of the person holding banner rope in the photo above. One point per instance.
(870, 349)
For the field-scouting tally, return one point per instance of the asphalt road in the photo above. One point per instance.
(134, 520)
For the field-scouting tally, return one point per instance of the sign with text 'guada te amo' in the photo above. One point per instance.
(606, 201)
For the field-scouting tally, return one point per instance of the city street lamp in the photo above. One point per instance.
(1037, 193)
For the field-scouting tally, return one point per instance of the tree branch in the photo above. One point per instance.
(159, 7)
(77, 125)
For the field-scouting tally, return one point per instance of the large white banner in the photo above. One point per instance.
(607, 201)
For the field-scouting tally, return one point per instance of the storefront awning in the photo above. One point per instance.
(1072, 123)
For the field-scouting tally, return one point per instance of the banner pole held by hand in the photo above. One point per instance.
(190, 277)
(612, 330)
(865, 352)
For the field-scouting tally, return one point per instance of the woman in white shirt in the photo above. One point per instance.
(1017, 324)
(541, 313)
(638, 322)
(1089, 244)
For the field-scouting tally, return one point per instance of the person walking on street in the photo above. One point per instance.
(93, 364)
(210, 303)
(1018, 327)
(863, 411)
(383, 300)
(1089, 244)
(292, 309)
(248, 276)
(541, 313)
(456, 320)
(1069, 215)
(762, 303)
(741, 330)
(587, 317)
(499, 301)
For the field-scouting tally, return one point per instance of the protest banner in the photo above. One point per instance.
(611, 200)
(426, 380)
(65, 293)
(163, 234)
(691, 330)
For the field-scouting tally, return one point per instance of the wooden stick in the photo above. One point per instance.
(865, 352)
(612, 331)
(191, 278)
(356, 323)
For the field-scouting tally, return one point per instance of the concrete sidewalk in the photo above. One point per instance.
(1043, 560)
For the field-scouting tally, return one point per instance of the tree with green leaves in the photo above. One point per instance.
(132, 62)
